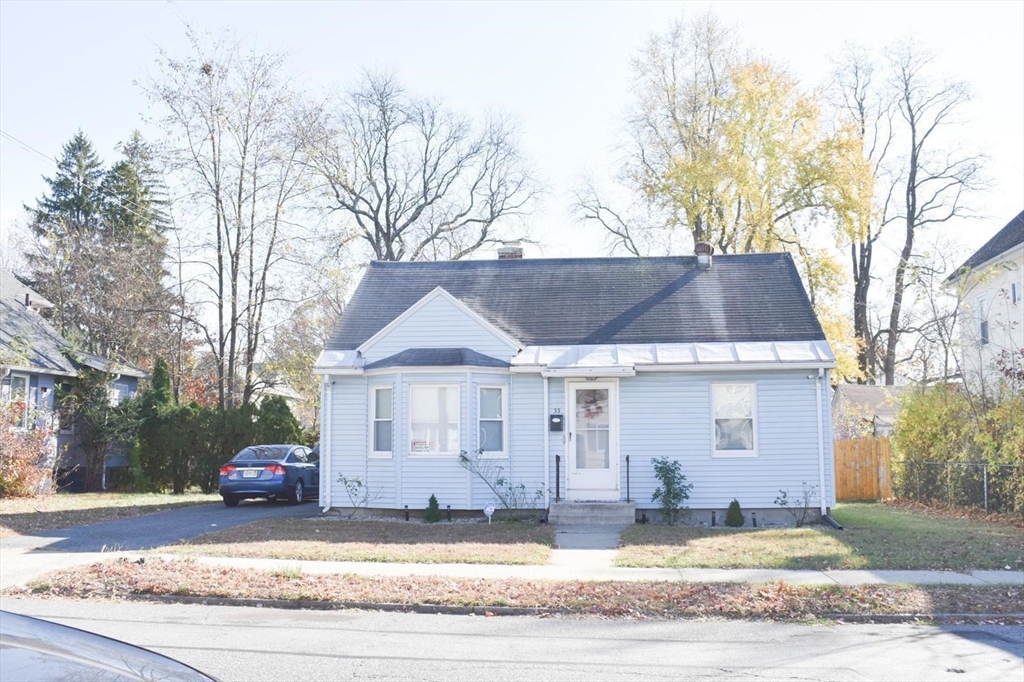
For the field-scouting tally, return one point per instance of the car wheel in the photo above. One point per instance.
(298, 494)
(230, 501)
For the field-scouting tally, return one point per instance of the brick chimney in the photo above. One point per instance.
(704, 250)
(510, 250)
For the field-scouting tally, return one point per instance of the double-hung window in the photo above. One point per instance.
(491, 421)
(734, 420)
(434, 420)
(14, 398)
(982, 321)
(382, 408)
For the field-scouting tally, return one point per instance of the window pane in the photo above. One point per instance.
(733, 401)
(734, 434)
(592, 449)
(382, 407)
(490, 403)
(424, 404)
(492, 436)
(435, 419)
(382, 436)
(592, 408)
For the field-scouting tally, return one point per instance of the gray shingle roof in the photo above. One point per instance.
(438, 357)
(1005, 239)
(26, 339)
(742, 298)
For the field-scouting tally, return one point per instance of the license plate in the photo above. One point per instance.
(249, 473)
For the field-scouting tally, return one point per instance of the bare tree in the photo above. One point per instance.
(861, 101)
(414, 177)
(934, 178)
(229, 140)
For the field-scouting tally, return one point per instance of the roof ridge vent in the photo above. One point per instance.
(704, 251)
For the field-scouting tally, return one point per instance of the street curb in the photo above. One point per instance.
(314, 605)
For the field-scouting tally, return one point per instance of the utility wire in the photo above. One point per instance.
(99, 190)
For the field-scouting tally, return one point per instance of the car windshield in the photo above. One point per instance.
(261, 452)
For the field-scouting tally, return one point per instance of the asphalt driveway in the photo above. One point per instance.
(155, 530)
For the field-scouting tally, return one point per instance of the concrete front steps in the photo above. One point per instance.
(592, 513)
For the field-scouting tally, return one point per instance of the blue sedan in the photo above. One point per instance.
(270, 471)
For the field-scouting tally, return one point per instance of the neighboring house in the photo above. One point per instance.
(990, 287)
(575, 365)
(859, 411)
(36, 361)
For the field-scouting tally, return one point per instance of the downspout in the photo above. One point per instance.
(821, 453)
(325, 443)
(547, 446)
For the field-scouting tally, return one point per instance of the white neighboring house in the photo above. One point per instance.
(990, 286)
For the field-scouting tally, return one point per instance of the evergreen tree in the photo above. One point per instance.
(100, 251)
(276, 423)
(65, 223)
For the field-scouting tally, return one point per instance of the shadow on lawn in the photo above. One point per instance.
(381, 533)
(942, 546)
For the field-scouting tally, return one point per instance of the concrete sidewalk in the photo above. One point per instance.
(583, 553)
(568, 569)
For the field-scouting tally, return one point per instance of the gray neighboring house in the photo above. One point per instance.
(860, 411)
(571, 375)
(36, 361)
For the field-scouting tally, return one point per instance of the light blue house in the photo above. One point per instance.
(571, 375)
(36, 362)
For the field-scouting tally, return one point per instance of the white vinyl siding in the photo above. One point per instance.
(667, 415)
(439, 324)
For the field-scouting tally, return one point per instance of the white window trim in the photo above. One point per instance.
(24, 421)
(458, 423)
(495, 454)
(370, 452)
(734, 454)
(984, 328)
(1015, 292)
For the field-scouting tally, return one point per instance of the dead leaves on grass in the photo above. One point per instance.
(645, 600)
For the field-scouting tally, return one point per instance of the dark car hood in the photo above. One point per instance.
(34, 649)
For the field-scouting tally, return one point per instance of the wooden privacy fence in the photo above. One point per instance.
(863, 469)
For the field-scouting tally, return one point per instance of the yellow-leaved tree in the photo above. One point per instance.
(727, 148)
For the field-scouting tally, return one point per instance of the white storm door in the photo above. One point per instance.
(592, 444)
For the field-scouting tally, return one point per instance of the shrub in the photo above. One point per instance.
(23, 462)
(433, 511)
(673, 492)
(800, 508)
(734, 517)
(276, 423)
(511, 495)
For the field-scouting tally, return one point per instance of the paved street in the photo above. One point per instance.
(235, 643)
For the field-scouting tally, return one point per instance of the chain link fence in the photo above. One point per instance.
(994, 488)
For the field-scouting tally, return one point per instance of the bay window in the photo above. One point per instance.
(434, 419)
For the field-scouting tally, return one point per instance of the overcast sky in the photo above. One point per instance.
(561, 70)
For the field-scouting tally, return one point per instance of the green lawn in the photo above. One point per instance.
(875, 537)
(27, 515)
(392, 542)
